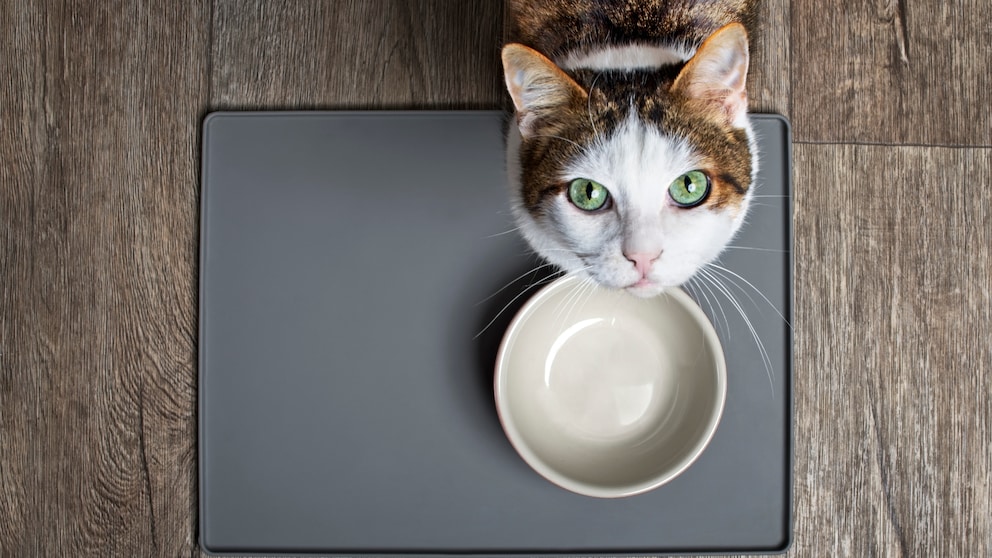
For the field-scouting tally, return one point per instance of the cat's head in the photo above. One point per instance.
(635, 178)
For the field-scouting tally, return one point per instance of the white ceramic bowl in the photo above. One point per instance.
(606, 394)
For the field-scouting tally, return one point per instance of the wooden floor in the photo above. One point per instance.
(100, 106)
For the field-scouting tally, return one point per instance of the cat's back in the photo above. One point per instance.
(575, 28)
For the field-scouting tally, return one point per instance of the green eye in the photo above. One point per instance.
(588, 195)
(690, 189)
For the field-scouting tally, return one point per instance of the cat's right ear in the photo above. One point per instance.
(714, 77)
(537, 86)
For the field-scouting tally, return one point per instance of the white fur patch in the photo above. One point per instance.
(637, 164)
(628, 57)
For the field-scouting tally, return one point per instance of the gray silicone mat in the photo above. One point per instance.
(345, 403)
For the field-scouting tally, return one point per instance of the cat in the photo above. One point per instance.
(632, 160)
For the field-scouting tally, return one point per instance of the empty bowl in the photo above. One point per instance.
(606, 394)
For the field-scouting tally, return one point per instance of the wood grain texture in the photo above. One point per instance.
(395, 54)
(101, 105)
(768, 76)
(906, 72)
(893, 360)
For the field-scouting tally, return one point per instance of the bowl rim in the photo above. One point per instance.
(553, 475)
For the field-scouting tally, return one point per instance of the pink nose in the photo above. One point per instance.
(642, 261)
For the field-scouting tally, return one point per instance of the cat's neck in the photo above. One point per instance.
(625, 58)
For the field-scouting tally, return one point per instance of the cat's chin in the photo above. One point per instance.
(645, 289)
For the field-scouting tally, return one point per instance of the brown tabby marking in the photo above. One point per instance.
(579, 24)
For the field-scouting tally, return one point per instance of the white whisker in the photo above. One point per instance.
(559, 138)
(765, 359)
(728, 273)
(589, 103)
(571, 303)
(701, 285)
(521, 276)
(508, 304)
(588, 294)
(734, 284)
(716, 299)
(699, 296)
(777, 251)
(494, 235)
(564, 306)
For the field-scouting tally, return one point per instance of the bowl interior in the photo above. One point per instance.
(606, 394)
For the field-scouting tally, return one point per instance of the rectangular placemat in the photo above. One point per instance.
(349, 262)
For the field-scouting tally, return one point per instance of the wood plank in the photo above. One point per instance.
(392, 54)
(101, 106)
(893, 360)
(769, 72)
(397, 54)
(892, 72)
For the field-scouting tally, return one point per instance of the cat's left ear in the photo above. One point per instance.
(540, 90)
(715, 76)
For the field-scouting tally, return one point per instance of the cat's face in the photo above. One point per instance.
(636, 180)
